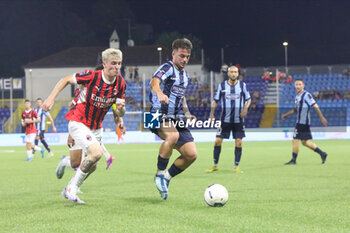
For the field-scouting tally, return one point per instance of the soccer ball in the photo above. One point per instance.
(216, 195)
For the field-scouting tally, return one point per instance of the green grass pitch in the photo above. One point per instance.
(267, 197)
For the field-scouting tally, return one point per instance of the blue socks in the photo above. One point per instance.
(238, 154)
(162, 163)
(173, 170)
(217, 150)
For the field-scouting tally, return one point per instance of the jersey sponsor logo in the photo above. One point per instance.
(233, 96)
(172, 78)
(178, 91)
(102, 102)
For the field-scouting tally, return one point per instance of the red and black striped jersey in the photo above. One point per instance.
(100, 95)
(30, 115)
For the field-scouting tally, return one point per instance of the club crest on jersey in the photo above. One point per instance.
(88, 137)
(115, 91)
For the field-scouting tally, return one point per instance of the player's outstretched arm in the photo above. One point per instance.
(319, 113)
(288, 113)
(52, 123)
(155, 87)
(212, 109)
(49, 102)
(245, 108)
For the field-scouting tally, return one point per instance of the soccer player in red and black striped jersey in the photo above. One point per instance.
(28, 120)
(102, 89)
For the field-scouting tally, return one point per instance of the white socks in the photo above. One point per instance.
(29, 154)
(78, 178)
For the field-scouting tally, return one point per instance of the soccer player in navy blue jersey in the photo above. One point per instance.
(303, 103)
(168, 86)
(41, 126)
(235, 101)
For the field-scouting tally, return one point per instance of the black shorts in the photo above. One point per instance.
(184, 135)
(40, 133)
(225, 130)
(302, 132)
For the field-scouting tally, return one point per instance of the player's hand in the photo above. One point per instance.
(122, 128)
(120, 105)
(191, 117)
(163, 99)
(324, 121)
(48, 104)
(244, 113)
(211, 117)
(284, 116)
(54, 129)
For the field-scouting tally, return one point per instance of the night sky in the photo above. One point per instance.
(251, 32)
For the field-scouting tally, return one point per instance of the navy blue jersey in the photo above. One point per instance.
(232, 98)
(173, 84)
(41, 126)
(303, 103)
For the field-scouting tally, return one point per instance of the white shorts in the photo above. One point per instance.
(29, 138)
(83, 136)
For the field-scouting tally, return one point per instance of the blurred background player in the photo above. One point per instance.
(169, 102)
(28, 120)
(235, 101)
(303, 103)
(103, 88)
(41, 126)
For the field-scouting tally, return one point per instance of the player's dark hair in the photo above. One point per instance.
(26, 100)
(99, 67)
(299, 79)
(183, 43)
(39, 99)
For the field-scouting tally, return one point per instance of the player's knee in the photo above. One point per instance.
(239, 143)
(74, 163)
(218, 142)
(304, 142)
(172, 138)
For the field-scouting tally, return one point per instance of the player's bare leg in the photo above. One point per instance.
(216, 155)
(238, 154)
(109, 158)
(30, 147)
(87, 166)
(313, 146)
(170, 137)
(293, 161)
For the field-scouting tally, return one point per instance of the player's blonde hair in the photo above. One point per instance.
(111, 52)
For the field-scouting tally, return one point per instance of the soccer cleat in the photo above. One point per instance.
(237, 170)
(28, 160)
(60, 168)
(292, 162)
(162, 185)
(324, 157)
(42, 152)
(109, 162)
(50, 154)
(212, 169)
(70, 192)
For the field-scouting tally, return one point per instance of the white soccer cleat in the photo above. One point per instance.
(60, 168)
(71, 193)
(50, 154)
